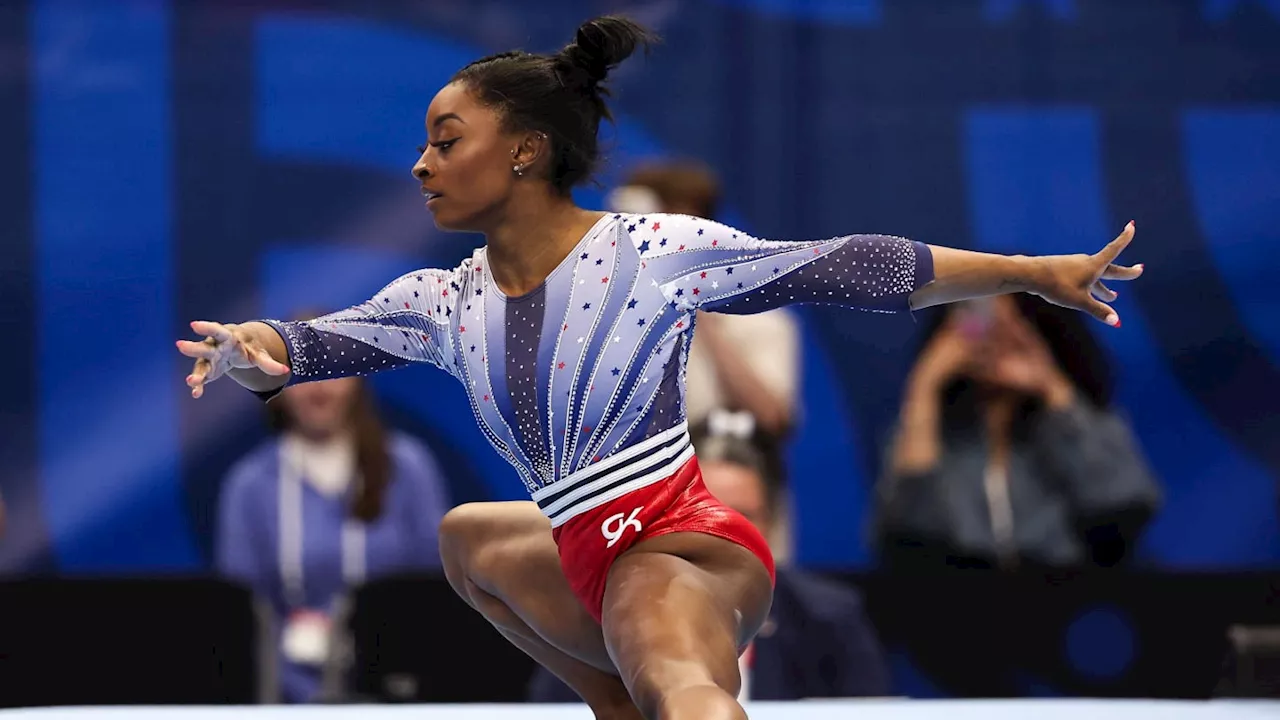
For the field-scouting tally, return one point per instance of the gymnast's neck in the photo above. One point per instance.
(535, 230)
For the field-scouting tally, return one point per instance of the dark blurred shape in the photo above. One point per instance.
(411, 639)
(1252, 666)
(131, 642)
(995, 635)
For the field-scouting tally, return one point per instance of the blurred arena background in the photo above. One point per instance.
(169, 160)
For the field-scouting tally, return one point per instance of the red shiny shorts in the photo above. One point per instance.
(589, 543)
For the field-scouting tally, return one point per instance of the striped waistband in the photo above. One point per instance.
(640, 465)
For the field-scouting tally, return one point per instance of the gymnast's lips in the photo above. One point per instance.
(431, 195)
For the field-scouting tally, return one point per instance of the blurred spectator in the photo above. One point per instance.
(1006, 453)
(333, 500)
(817, 642)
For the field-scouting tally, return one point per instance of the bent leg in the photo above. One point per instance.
(678, 608)
(500, 558)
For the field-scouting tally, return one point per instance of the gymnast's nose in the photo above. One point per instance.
(420, 169)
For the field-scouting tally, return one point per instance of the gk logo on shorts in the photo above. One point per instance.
(615, 525)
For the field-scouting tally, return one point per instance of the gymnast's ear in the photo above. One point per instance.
(532, 149)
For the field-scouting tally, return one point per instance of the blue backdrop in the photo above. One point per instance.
(166, 161)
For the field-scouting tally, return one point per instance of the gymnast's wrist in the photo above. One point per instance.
(1027, 273)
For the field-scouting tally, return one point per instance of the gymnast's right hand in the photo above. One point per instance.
(225, 348)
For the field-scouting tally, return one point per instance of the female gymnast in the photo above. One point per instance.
(569, 330)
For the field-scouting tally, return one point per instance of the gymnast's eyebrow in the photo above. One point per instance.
(447, 116)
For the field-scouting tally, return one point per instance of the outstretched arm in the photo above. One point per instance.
(408, 321)
(701, 264)
(1073, 281)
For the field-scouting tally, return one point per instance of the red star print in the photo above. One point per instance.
(565, 329)
(477, 268)
(426, 339)
(406, 306)
(816, 251)
(680, 248)
(445, 293)
(613, 244)
(560, 366)
(704, 275)
(656, 226)
(486, 398)
(462, 328)
(715, 243)
(604, 279)
(643, 265)
(597, 458)
(586, 428)
(680, 324)
(696, 291)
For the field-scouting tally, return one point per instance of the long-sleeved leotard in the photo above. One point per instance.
(580, 383)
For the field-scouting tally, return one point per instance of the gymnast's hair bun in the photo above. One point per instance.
(600, 45)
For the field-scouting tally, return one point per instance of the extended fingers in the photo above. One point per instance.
(1103, 312)
(199, 375)
(1104, 293)
(217, 331)
(197, 349)
(1121, 272)
(1113, 249)
(206, 352)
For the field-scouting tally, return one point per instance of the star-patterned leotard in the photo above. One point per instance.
(580, 383)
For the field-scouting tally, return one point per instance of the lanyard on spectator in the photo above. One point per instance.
(995, 482)
(291, 536)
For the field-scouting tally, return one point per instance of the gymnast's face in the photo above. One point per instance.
(739, 488)
(466, 166)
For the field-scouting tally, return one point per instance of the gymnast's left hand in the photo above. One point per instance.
(1075, 281)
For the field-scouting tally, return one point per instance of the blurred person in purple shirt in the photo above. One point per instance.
(333, 500)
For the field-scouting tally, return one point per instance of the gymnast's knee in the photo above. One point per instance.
(461, 536)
